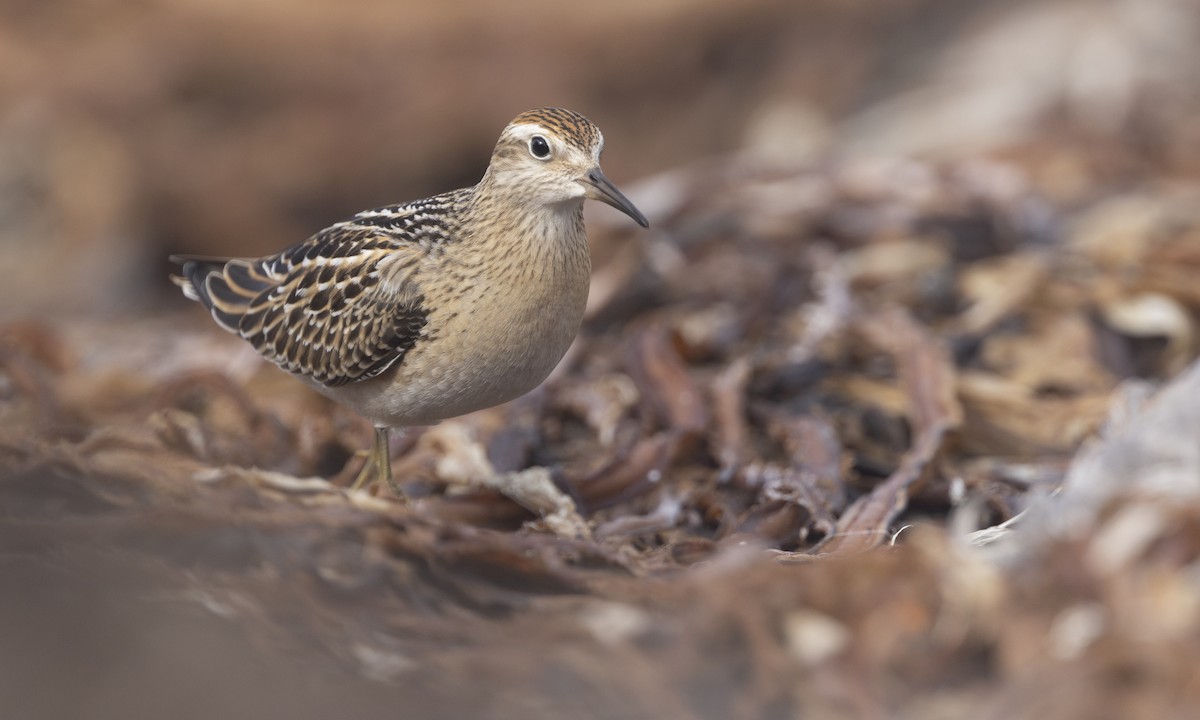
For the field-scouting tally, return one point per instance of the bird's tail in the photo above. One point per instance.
(193, 276)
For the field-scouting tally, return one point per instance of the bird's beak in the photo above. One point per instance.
(600, 188)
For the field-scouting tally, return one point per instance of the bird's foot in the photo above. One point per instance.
(378, 466)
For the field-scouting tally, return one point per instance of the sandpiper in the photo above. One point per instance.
(410, 314)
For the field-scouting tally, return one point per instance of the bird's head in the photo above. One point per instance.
(551, 156)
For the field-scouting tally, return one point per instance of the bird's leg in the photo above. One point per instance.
(368, 469)
(384, 459)
(378, 462)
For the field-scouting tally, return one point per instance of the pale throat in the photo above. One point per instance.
(560, 224)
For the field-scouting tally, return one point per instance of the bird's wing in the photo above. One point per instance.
(339, 307)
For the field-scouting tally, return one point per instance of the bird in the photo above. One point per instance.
(414, 313)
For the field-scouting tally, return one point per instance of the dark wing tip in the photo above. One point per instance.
(199, 278)
(192, 276)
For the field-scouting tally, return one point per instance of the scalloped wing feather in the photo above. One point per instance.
(329, 317)
(330, 308)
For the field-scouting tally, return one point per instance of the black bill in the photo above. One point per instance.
(600, 188)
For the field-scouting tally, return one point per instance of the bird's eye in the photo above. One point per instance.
(539, 147)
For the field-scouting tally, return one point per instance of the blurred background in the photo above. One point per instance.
(1020, 177)
(129, 130)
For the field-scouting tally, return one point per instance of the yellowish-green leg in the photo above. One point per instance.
(384, 461)
(379, 464)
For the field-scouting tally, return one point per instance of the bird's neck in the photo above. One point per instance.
(530, 268)
(541, 249)
(514, 216)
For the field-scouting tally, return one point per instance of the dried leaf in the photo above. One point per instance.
(928, 378)
(664, 383)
